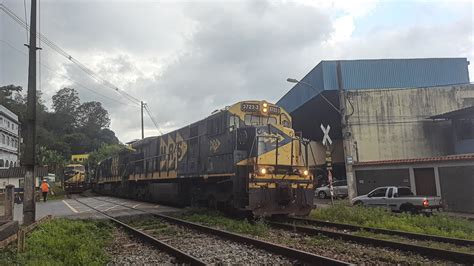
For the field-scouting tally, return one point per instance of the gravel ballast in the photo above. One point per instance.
(211, 249)
(128, 250)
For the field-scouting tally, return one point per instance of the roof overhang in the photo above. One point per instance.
(448, 158)
(308, 117)
(464, 113)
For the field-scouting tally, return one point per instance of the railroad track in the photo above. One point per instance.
(455, 256)
(456, 241)
(178, 254)
(279, 250)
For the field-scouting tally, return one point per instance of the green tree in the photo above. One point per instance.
(6, 94)
(51, 158)
(92, 116)
(104, 152)
(70, 128)
(66, 101)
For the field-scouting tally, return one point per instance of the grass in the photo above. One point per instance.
(63, 242)
(216, 219)
(436, 224)
(154, 226)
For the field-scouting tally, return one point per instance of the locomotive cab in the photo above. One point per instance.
(276, 171)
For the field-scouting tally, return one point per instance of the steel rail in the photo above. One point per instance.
(178, 254)
(268, 246)
(460, 257)
(457, 241)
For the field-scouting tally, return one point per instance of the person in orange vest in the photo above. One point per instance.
(44, 189)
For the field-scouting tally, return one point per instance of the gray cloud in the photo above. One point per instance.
(186, 59)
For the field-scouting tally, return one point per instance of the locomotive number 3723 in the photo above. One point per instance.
(249, 107)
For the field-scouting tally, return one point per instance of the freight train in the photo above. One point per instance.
(75, 178)
(245, 157)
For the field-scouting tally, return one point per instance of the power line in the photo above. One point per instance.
(63, 53)
(152, 118)
(64, 76)
(26, 19)
(81, 66)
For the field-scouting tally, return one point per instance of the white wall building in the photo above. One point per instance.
(9, 139)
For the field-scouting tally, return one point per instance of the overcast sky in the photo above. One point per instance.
(188, 58)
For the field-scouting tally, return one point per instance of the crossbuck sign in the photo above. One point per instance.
(326, 138)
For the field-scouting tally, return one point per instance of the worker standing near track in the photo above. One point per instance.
(44, 189)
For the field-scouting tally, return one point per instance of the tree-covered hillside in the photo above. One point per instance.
(71, 127)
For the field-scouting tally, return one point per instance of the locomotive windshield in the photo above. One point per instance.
(258, 120)
(74, 168)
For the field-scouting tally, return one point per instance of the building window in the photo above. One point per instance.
(8, 140)
(14, 164)
(8, 124)
(3, 138)
(1, 120)
(6, 163)
(2, 163)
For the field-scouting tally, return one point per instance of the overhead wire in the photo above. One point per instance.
(63, 53)
(64, 76)
(80, 65)
(26, 19)
(152, 118)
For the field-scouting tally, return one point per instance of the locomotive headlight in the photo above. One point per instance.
(304, 172)
(265, 109)
(262, 171)
(265, 105)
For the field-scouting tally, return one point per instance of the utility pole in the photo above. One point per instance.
(346, 135)
(143, 131)
(29, 207)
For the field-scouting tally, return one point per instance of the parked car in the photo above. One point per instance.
(340, 190)
(399, 199)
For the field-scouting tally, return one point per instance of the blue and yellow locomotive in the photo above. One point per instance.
(245, 157)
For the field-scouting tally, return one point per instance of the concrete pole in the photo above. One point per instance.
(9, 201)
(29, 208)
(346, 136)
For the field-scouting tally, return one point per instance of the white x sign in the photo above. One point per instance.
(326, 138)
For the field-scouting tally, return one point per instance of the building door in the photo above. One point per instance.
(425, 181)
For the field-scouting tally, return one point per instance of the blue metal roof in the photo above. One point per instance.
(380, 73)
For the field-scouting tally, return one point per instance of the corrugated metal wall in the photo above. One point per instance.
(382, 73)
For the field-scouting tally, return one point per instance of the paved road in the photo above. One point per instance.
(73, 209)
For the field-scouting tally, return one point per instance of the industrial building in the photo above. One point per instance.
(406, 122)
(9, 139)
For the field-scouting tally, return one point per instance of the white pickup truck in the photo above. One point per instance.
(399, 199)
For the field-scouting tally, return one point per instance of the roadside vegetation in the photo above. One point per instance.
(216, 219)
(63, 242)
(436, 224)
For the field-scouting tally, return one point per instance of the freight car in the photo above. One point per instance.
(245, 157)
